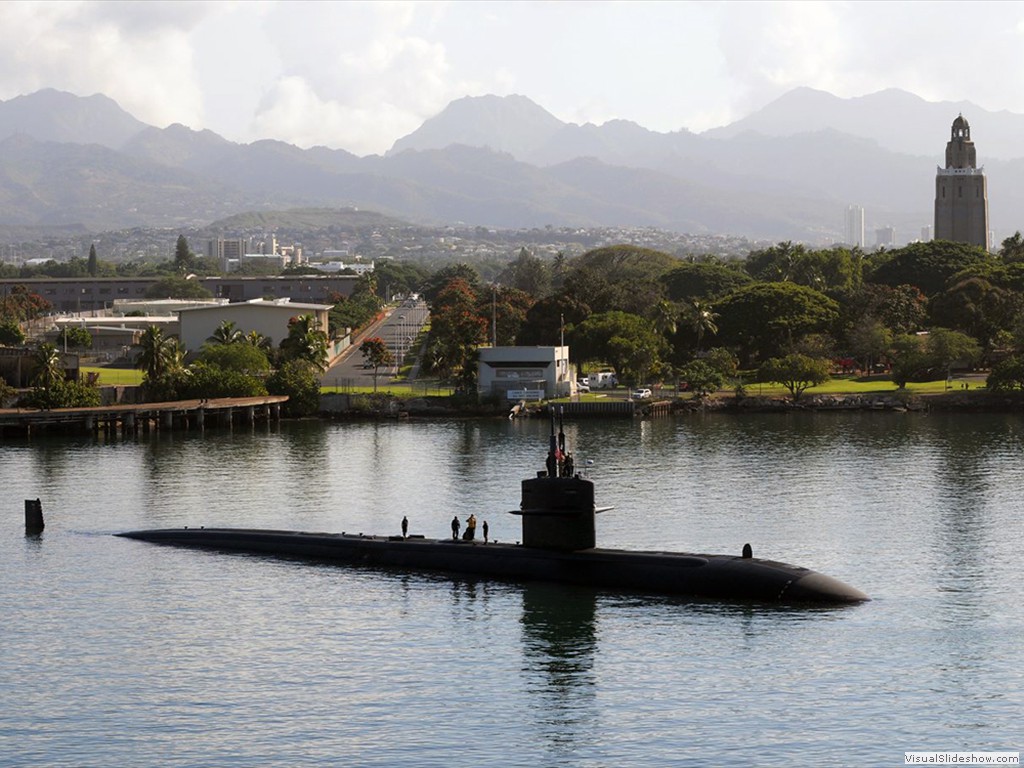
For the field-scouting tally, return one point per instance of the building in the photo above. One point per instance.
(92, 294)
(525, 373)
(885, 237)
(269, 318)
(854, 226)
(926, 233)
(961, 191)
(225, 251)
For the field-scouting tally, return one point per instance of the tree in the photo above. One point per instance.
(908, 359)
(206, 381)
(183, 256)
(440, 280)
(19, 304)
(947, 348)
(94, 265)
(625, 341)
(705, 282)
(162, 361)
(297, 380)
(868, 341)
(795, 372)
(226, 333)
(1012, 249)
(776, 264)
(722, 360)
(702, 320)
(701, 378)
(456, 328)
(765, 319)
(528, 274)
(49, 367)
(665, 317)
(927, 266)
(258, 340)
(546, 319)
(504, 309)
(306, 341)
(75, 337)
(11, 334)
(376, 354)
(239, 357)
(177, 287)
(976, 307)
(1007, 375)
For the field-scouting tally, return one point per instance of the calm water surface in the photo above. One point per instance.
(118, 653)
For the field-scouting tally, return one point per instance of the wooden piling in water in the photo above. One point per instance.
(33, 517)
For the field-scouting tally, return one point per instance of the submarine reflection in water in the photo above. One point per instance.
(558, 545)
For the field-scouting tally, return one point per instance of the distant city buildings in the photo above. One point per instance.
(961, 191)
(885, 237)
(926, 233)
(230, 253)
(855, 226)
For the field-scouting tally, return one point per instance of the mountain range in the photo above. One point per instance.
(787, 171)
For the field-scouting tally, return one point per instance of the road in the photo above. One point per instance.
(399, 330)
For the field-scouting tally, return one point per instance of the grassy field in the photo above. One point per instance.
(840, 385)
(112, 377)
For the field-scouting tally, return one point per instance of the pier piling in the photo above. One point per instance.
(33, 517)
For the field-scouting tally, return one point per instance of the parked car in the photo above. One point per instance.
(640, 394)
(581, 387)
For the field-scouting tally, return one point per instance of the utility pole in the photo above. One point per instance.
(494, 315)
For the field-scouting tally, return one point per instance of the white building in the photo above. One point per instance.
(525, 373)
(269, 318)
(854, 226)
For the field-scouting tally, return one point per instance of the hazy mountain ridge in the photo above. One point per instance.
(503, 162)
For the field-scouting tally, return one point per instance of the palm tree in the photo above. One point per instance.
(703, 320)
(159, 354)
(51, 366)
(306, 341)
(665, 315)
(258, 340)
(226, 333)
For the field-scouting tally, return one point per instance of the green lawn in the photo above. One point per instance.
(111, 377)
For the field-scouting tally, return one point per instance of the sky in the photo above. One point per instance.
(359, 75)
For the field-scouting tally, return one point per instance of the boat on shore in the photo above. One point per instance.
(558, 545)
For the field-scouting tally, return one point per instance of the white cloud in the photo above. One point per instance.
(362, 78)
(139, 57)
(359, 75)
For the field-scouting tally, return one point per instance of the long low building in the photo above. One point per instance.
(269, 318)
(87, 294)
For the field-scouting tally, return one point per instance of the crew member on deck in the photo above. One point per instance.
(455, 527)
(470, 533)
(485, 531)
(405, 526)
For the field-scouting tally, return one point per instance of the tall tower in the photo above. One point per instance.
(854, 226)
(961, 191)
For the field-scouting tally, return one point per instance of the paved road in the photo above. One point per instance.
(399, 330)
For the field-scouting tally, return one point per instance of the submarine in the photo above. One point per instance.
(558, 513)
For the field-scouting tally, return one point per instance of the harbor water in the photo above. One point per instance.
(116, 652)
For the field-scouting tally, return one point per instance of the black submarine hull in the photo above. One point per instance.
(722, 577)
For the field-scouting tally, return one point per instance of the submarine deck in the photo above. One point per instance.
(697, 575)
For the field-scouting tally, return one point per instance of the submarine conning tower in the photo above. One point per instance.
(557, 506)
(558, 513)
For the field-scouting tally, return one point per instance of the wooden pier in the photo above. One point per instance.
(630, 408)
(144, 417)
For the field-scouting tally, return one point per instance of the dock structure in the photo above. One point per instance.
(145, 417)
(610, 407)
